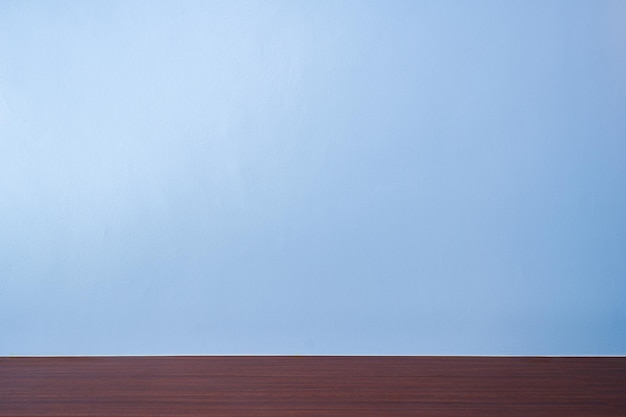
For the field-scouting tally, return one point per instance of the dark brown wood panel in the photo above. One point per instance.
(281, 386)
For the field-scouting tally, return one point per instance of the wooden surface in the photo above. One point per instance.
(280, 386)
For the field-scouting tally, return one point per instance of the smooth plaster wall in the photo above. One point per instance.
(313, 177)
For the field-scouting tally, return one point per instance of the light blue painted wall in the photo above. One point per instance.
(418, 177)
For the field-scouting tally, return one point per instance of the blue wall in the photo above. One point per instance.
(441, 177)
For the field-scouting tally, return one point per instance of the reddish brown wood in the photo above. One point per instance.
(281, 386)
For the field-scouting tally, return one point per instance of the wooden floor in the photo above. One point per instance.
(280, 386)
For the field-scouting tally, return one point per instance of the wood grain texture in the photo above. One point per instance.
(278, 386)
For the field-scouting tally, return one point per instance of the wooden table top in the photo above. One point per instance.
(277, 386)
